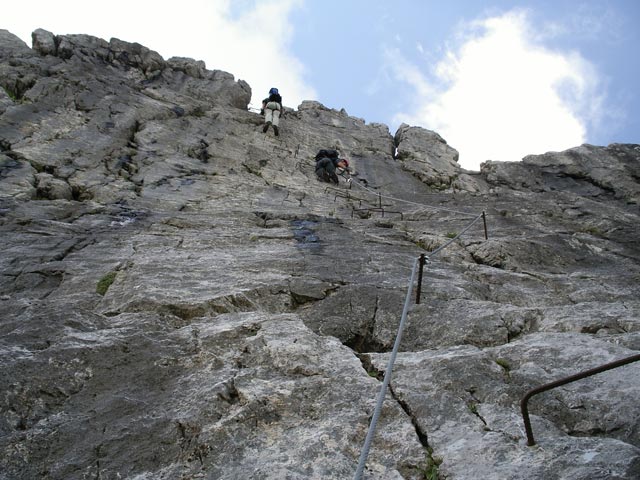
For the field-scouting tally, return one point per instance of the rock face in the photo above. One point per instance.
(181, 298)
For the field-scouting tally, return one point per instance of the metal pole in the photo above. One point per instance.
(385, 383)
(484, 219)
(419, 287)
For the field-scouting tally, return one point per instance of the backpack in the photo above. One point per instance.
(332, 154)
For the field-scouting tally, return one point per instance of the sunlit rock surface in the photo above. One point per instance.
(181, 298)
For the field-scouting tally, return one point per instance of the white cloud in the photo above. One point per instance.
(255, 47)
(500, 95)
(252, 44)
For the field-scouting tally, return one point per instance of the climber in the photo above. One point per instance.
(271, 109)
(327, 161)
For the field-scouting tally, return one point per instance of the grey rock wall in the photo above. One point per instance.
(181, 298)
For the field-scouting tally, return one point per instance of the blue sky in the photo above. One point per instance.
(497, 79)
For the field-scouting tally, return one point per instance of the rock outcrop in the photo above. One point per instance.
(181, 298)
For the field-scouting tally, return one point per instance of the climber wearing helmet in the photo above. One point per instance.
(272, 108)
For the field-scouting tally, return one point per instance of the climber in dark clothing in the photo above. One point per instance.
(272, 109)
(326, 163)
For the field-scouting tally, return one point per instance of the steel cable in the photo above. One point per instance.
(396, 346)
(387, 378)
(409, 201)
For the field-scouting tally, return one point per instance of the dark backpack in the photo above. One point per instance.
(332, 154)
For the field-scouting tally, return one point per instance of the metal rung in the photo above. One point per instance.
(376, 209)
(564, 381)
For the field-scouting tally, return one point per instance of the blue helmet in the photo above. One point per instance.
(273, 91)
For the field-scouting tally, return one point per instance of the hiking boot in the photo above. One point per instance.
(266, 127)
(275, 130)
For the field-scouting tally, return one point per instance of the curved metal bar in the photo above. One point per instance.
(564, 381)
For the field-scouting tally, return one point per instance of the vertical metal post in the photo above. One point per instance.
(484, 219)
(419, 288)
(380, 200)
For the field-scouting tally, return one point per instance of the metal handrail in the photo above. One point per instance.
(376, 209)
(564, 381)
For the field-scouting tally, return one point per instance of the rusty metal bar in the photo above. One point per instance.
(564, 381)
(484, 219)
(376, 209)
(339, 192)
(419, 287)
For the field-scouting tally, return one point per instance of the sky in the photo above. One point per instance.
(497, 79)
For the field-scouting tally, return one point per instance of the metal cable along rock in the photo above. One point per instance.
(387, 374)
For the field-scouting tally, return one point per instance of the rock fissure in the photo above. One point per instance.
(366, 340)
(239, 292)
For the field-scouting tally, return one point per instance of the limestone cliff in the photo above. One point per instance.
(182, 299)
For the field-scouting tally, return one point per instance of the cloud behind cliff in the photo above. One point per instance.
(251, 40)
(495, 82)
(498, 94)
